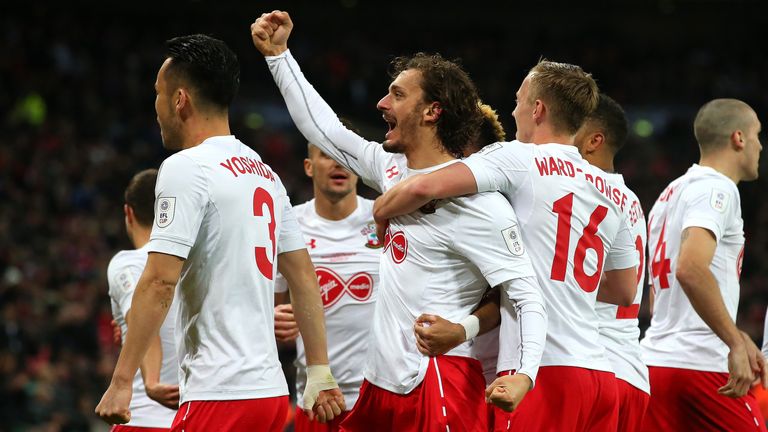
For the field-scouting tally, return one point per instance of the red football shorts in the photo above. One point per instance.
(247, 415)
(498, 419)
(304, 424)
(569, 399)
(452, 395)
(123, 428)
(687, 400)
(632, 405)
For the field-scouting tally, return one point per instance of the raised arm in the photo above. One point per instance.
(411, 194)
(312, 115)
(151, 301)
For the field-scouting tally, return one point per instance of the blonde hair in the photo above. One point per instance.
(569, 93)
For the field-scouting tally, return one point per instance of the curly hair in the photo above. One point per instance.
(445, 82)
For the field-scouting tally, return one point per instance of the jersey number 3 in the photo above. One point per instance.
(265, 258)
(589, 240)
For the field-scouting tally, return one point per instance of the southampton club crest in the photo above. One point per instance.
(371, 240)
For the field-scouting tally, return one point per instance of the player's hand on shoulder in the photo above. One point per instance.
(113, 407)
(286, 328)
(165, 394)
(270, 32)
(436, 335)
(507, 391)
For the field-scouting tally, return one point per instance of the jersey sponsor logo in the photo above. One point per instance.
(397, 244)
(371, 239)
(391, 172)
(489, 148)
(333, 286)
(513, 240)
(166, 209)
(718, 200)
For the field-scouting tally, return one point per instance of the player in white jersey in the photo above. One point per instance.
(155, 389)
(223, 224)
(599, 139)
(436, 262)
(341, 238)
(572, 216)
(701, 365)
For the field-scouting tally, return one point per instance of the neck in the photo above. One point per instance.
(602, 161)
(427, 153)
(140, 236)
(335, 208)
(545, 135)
(722, 163)
(207, 126)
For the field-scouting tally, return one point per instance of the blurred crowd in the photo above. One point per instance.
(77, 121)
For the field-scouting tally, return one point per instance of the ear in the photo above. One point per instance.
(737, 140)
(308, 167)
(432, 112)
(539, 111)
(595, 142)
(130, 217)
(182, 102)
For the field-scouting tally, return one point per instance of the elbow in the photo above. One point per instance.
(685, 274)
(421, 190)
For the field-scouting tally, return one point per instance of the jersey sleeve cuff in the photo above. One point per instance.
(477, 166)
(169, 247)
(703, 223)
(503, 274)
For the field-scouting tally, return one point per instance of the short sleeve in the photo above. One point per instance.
(501, 167)
(623, 252)
(181, 198)
(281, 285)
(290, 237)
(488, 234)
(709, 206)
(122, 278)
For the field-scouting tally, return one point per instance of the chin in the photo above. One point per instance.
(392, 147)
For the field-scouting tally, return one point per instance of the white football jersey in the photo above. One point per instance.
(437, 263)
(678, 337)
(123, 273)
(572, 220)
(227, 214)
(619, 331)
(346, 257)
(765, 335)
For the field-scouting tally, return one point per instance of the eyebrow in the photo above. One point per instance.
(394, 87)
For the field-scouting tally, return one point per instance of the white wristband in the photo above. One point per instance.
(471, 326)
(319, 378)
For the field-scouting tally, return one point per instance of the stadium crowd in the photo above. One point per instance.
(77, 121)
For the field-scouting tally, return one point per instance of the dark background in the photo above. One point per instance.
(77, 121)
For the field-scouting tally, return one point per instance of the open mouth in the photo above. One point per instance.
(391, 123)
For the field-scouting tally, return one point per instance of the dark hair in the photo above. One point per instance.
(140, 196)
(446, 83)
(571, 93)
(610, 116)
(207, 65)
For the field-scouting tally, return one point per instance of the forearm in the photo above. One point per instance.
(405, 197)
(488, 313)
(314, 118)
(152, 362)
(700, 286)
(525, 296)
(150, 305)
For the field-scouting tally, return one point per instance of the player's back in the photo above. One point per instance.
(619, 331)
(678, 337)
(572, 219)
(123, 274)
(231, 210)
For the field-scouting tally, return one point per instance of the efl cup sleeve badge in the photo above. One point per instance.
(166, 208)
(513, 240)
(371, 240)
(718, 200)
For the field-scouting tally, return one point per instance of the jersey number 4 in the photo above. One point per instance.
(660, 267)
(589, 240)
(265, 258)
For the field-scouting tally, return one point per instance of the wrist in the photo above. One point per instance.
(275, 51)
(471, 325)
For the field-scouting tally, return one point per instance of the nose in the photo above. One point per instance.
(383, 104)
